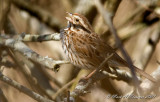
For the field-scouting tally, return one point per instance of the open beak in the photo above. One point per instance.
(70, 17)
(70, 14)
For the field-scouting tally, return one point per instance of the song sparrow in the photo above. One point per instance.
(86, 49)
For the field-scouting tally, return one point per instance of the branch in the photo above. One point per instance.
(4, 13)
(88, 9)
(3, 97)
(32, 72)
(39, 38)
(85, 83)
(112, 6)
(63, 88)
(117, 74)
(108, 17)
(147, 86)
(28, 53)
(145, 49)
(38, 12)
(150, 5)
(23, 89)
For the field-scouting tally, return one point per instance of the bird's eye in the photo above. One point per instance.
(77, 20)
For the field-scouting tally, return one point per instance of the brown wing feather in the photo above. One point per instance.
(95, 53)
(89, 50)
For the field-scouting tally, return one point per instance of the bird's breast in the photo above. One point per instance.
(69, 45)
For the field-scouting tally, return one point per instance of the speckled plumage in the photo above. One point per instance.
(86, 49)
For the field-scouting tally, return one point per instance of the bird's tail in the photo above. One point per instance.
(144, 74)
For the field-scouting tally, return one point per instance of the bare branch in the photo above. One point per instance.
(117, 74)
(147, 86)
(108, 17)
(39, 38)
(3, 97)
(37, 11)
(4, 13)
(63, 88)
(27, 52)
(23, 89)
(34, 76)
(85, 83)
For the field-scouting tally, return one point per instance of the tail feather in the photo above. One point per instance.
(118, 61)
(144, 74)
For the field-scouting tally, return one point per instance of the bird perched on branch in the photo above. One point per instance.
(86, 49)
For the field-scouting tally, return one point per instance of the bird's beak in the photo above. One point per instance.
(70, 14)
(70, 17)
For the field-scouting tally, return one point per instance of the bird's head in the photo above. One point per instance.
(79, 22)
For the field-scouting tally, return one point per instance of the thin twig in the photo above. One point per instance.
(34, 76)
(148, 5)
(2, 97)
(108, 17)
(68, 96)
(147, 86)
(3, 16)
(38, 12)
(27, 52)
(63, 88)
(84, 84)
(23, 89)
(100, 66)
(81, 87)
(157, 99)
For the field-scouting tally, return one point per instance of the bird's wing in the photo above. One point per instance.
(92, 48)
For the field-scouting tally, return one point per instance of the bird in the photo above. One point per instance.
(85, 49)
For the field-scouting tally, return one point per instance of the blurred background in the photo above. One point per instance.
(137, 23)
